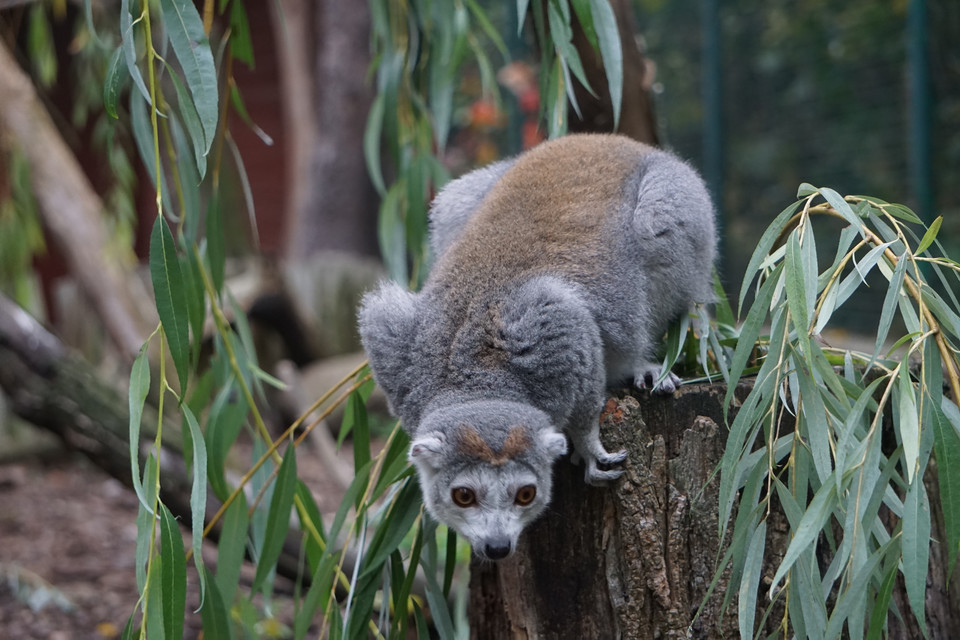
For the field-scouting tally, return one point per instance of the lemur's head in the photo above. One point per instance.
(485, 468)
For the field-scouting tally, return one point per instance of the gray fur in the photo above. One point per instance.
(556, 274)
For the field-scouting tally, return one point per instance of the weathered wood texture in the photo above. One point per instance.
(72, 211)
(635, 560)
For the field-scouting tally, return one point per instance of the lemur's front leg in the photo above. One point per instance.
(584, 431)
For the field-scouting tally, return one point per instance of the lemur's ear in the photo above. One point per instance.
(427, 450)
(554, 443)
(388, 325)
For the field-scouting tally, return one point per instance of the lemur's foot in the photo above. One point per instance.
(598, 471)
(648, 378)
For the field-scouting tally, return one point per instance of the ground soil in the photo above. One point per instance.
(67, 550)
(68, 536)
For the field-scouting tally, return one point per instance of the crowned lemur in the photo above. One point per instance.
(556, 274)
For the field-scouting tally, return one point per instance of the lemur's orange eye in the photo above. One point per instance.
(463, 497)
(525, 495)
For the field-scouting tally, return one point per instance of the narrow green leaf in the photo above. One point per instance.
(813, 422)
(947, 450)
(173, 575)
(192, 48)
(241, 44)
(310, 520)
(916, 547)
(521, 13)
(393, 529)
(605, 23)
(450, 563)
(769, 236)
(890, 299)
(231, 548)
(223, 426)
(750, 581)
(214, 614)
(130, 49)
(750, 331)
(929, 236)
(350, 497)
(908, 423)
(198, 492)
(812, 522)
(146, 521)
(371, 143)
(191, 119)
(854, 595)
(392, 234)
(190, 267)
(170, 295)
(794, 280)
(438, 604)
(155, 612)
(806, 189)
(585, 18)
(186, 168)
(842, 207)
(902, 212)
(317, 596)
(881, 606)
(278, 518)
(562, 36)
(137, 397)
(556, 100)
(117, 74)
(441, 92)
(143, 137)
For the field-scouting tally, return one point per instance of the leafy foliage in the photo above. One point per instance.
(848, 494)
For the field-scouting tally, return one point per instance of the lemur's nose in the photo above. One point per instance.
(497, 549)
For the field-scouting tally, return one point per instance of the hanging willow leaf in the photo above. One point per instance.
(130, 49)
(908, 422)
(929, 236)
(198, 492)
(139, 388)
(173, 573)
(278, 518)
(231, 547)
(117, 75)
(605, 23)
(215, 616)
(812, 522)
(188, 111)
(916, 547)
(947, 450)
(170, 295)
(192, 48)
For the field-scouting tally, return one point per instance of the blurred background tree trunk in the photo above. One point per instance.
(325, 50)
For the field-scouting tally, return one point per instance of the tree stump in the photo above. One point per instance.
(636, 559)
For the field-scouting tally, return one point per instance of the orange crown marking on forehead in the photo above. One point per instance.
(472, 444)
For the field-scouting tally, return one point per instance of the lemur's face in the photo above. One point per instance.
(485, 468)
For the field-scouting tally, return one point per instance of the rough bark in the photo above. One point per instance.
(635, 560)
(71, 210)
(636, 117)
